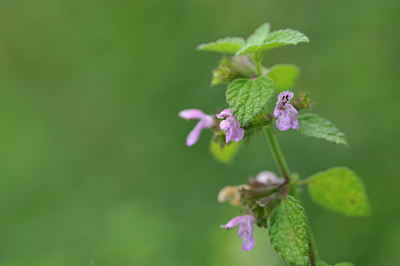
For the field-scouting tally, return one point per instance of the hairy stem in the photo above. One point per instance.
(277, 153)
(257, 59)
(284, 169)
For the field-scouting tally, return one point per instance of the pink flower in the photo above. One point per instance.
(206, 121)
(231, 126)
(245, 230)
(269, 178)
(285, 113)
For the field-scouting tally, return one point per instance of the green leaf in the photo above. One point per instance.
(259, 35)
(288, 232)
(322, 263)
(224, 153)
(227, 45)
(339, 189)
(275, 39)
(247, 97)
(315, 126)
(284, 76)
(257, 38)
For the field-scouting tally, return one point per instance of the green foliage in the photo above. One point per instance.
(341, 190)
(260, 40)
(288, 232)
(274, 39)
(284, 76)
(315, 126)
(250, 88)
(232, 68)
(229, 45)
(259, 35)
(257, 38)
(247, 97)
(302, 101)
(222, 152)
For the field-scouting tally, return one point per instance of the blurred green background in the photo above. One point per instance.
(94, 167)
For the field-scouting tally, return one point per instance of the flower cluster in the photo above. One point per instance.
(230, 125)
(245, 230)
(264, 181)
(261, 190)
(285, 113)
(206, 121)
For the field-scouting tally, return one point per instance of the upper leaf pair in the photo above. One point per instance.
(260, 40)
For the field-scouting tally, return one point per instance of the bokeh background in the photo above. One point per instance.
(94, 167)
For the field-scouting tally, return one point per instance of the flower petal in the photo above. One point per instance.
(268, 177)
(224, 113)
(295, 123)
(235, 134)
(246, 226)
(248, 243)
(224, 125)
(276, 111)
(283, 94)
(208, 121)
(234, 222)
(191, 114)
(283, 122)
(194, 135)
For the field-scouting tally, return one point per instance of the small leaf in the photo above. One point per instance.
(315, 126)
(275, 39)
(257, 38)
(284, 76)
(222, 152)
(247, 97)
(259, 35)
(227, 45)
(341, 190)
(288, 232)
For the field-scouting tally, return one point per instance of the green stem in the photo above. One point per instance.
(303, 181)
(277, 153)
(284, 169)
(258, 69)
(257, 59)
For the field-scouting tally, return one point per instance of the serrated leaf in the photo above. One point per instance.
(315, 126)
(226, 45)
(224, 153)
(247, 97)
(257, 38)
(288, 232)
(259, 35)
(284, 76)
(275, 39)
(339, 189)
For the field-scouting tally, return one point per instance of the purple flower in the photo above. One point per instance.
(231, 126)
(206, 121)
(268, 177)
(245, 230)
(285, 113)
